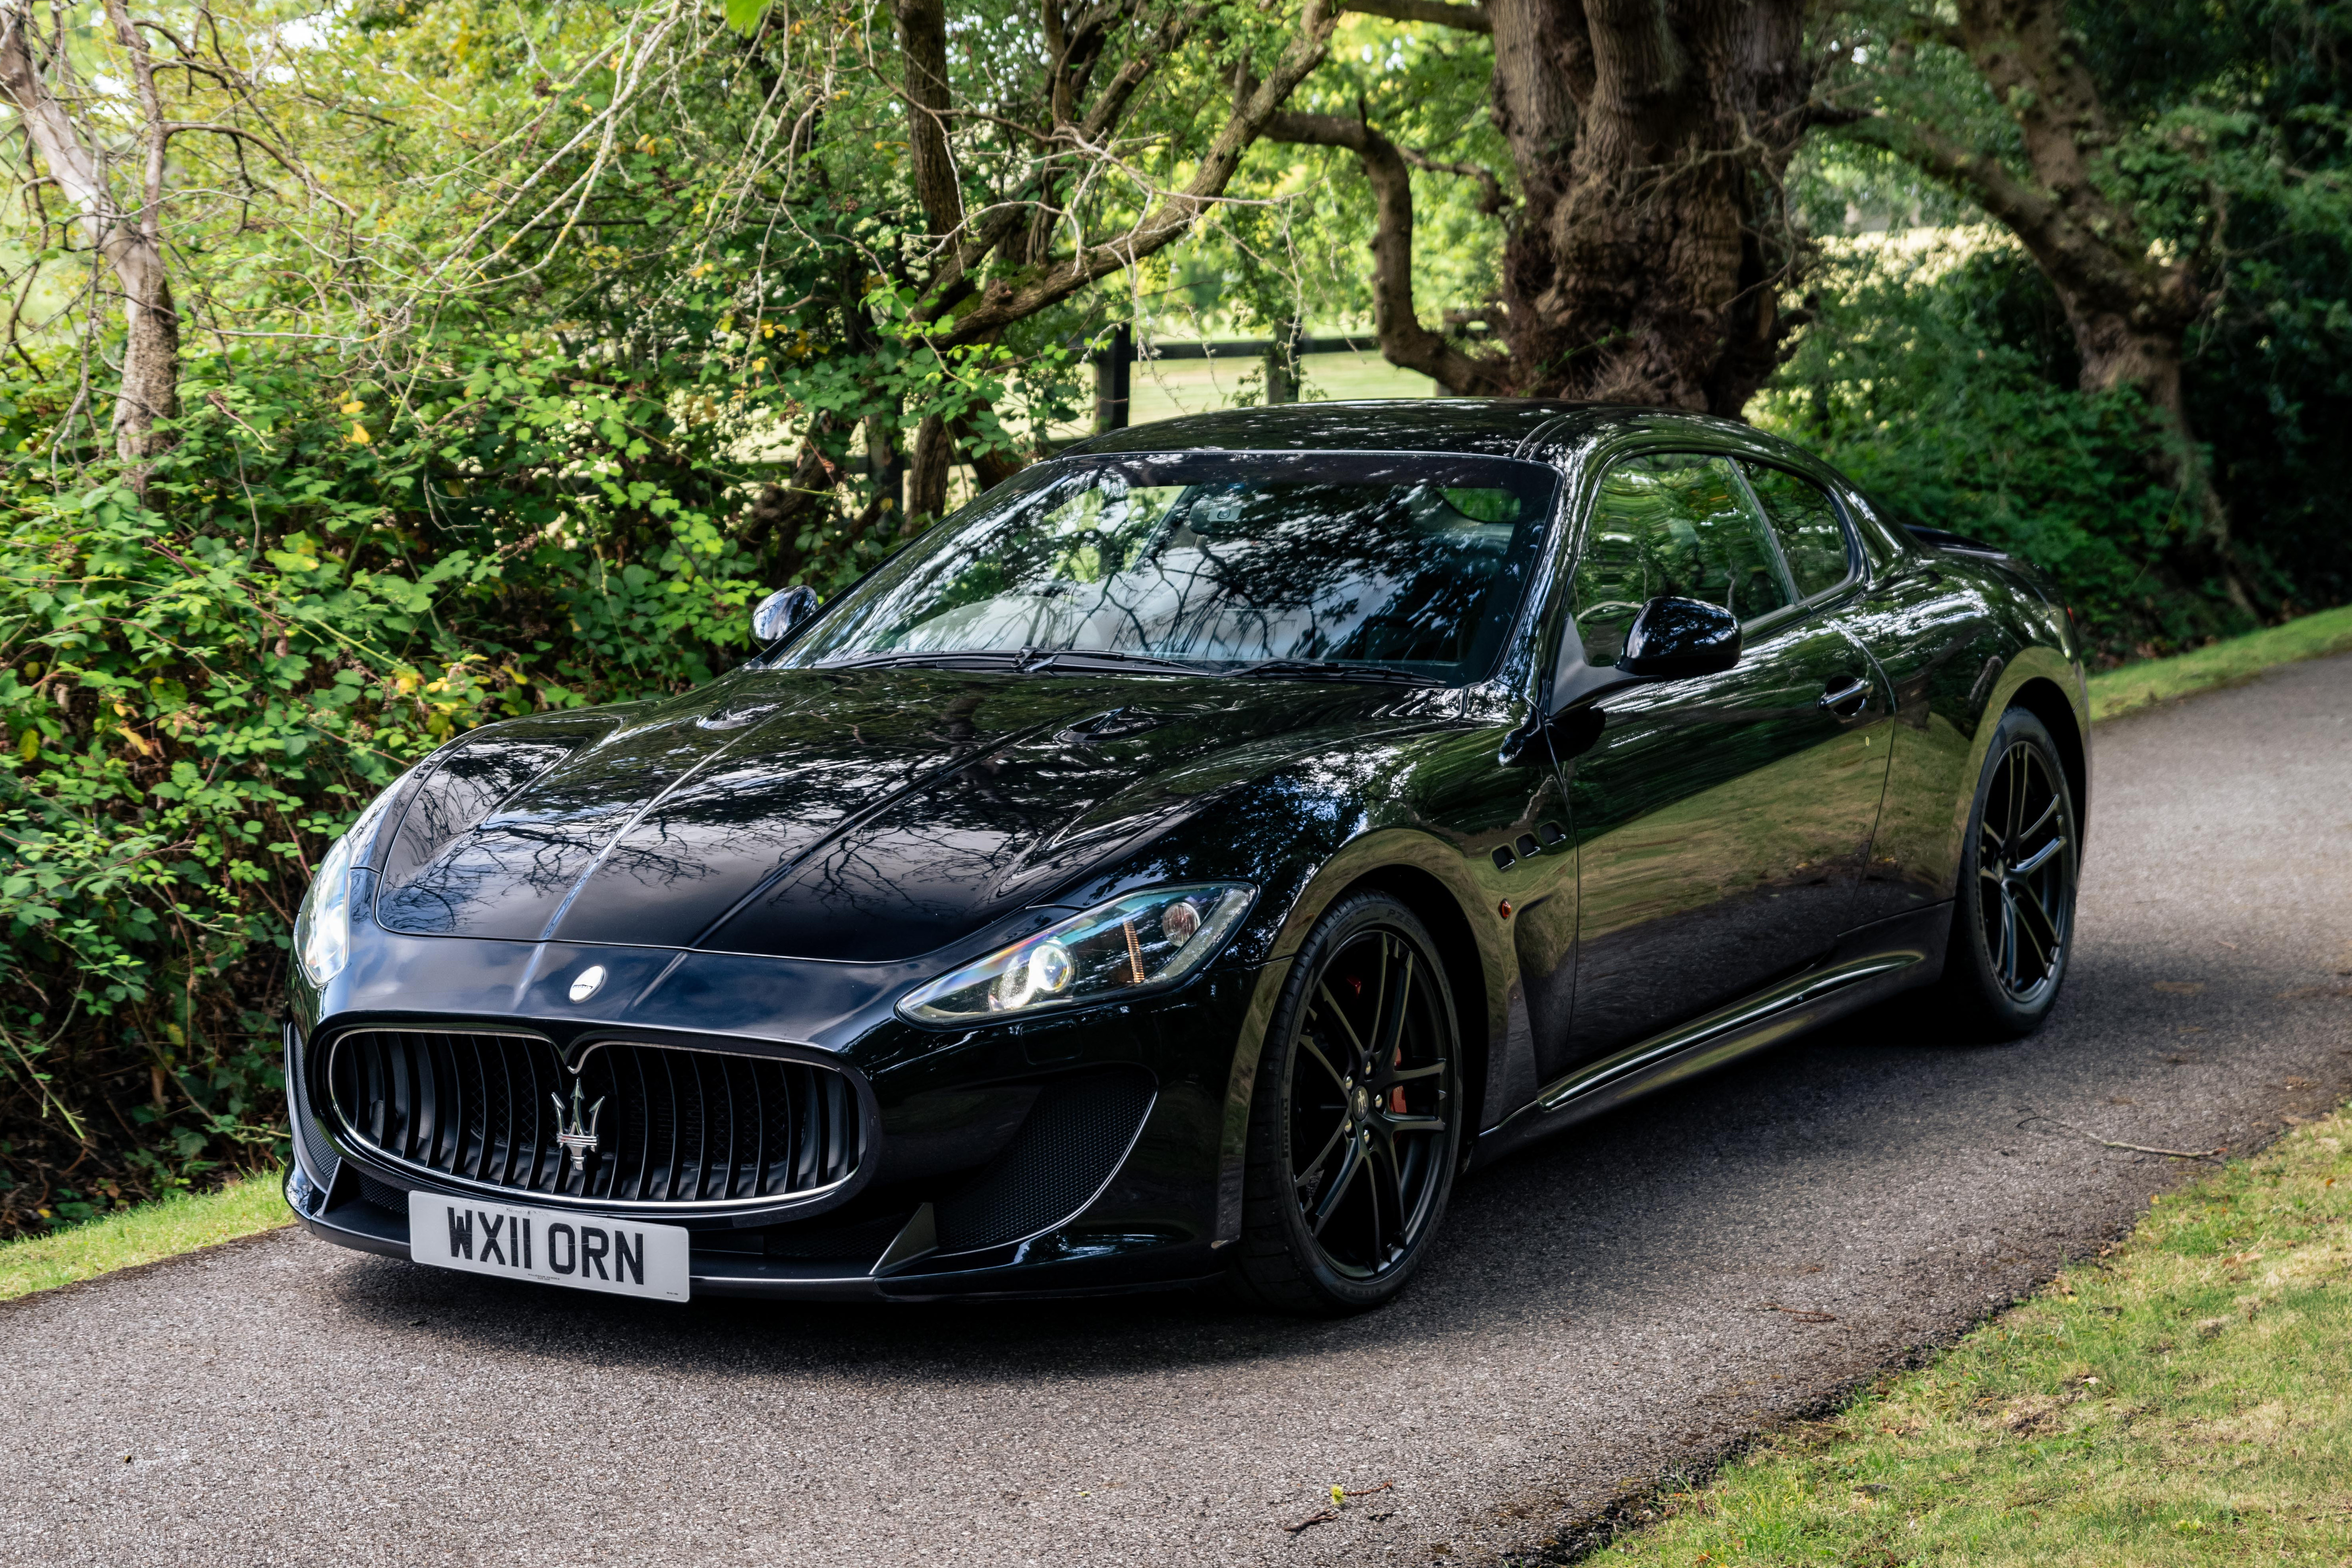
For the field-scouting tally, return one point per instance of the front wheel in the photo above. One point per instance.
(2013, 920)
(1356, 1121)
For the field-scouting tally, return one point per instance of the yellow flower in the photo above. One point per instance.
(354, 407)
(359, 436)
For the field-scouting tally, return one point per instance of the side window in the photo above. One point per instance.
(1806, 521)
(1673, 523)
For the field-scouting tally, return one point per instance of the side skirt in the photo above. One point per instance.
(1870, 965)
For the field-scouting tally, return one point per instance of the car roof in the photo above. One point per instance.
(1499, 426)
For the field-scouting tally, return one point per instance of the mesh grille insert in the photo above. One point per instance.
(1076, 1133)
(669, 1126)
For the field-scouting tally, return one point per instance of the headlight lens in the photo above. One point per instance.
(1131, 946)
(322, 931)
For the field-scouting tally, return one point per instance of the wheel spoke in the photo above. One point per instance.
(1306, 1043)
(1396, 997)
(1403, 1124)
(1339, 1013)
(1316, 1164)
(2042, 821)
(2035, 861)
(2049, 920)
(2007, 961)
(1387, 1170)
(1341, 1180)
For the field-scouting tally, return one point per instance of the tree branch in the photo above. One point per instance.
(1003, 302)
(1437, 13)
(1404, 342)
(1491, 199)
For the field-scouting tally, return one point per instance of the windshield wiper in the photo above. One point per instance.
(1035, 659)
(1327, 669)
(1027, 660)
(982, 659)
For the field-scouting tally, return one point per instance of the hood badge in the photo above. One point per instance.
(587, 982)
(578, 1134)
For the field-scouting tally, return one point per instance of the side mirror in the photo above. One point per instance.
(779, 611)
(1674, 637)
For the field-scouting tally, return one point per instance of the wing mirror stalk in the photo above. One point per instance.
(775, 616)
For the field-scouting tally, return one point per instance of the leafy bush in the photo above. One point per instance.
(1945, 383)
(199, 693)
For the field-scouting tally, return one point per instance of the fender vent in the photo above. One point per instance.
(1078, 1133)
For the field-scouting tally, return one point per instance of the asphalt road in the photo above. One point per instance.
(1605, 1310)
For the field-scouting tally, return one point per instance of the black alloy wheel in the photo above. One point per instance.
(1357, 1120)
(2013, 926)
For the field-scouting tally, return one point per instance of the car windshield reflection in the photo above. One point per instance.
(1364, 565)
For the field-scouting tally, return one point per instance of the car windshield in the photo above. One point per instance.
(1412, 563)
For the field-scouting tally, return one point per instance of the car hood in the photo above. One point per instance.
(862, 816)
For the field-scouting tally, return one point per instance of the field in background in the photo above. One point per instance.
(1165, 389)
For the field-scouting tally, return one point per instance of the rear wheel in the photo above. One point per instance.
(2013, 921)
(1356, 1121)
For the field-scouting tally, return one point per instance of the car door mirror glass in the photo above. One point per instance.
(779, 611)
(1675, 636)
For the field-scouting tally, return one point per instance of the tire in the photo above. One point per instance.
(2013, 916)
(1351, 1159)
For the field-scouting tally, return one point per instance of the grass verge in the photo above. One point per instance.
(2239, 658)
(2186, 1398)
(181, 1223)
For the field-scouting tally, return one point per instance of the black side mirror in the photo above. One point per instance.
(1674, 637)
(779, 611)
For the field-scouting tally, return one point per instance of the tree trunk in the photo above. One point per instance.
(131, 242)
(1649, 136)
(2129, 310)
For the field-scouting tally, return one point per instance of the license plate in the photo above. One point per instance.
(587, 1252)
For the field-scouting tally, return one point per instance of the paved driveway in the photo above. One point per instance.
(1615, 1306)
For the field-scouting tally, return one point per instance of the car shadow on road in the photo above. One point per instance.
(1587, 1228)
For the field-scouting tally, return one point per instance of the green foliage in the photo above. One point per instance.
(1939, 381)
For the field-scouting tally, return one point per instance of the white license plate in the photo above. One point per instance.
(587, 1252)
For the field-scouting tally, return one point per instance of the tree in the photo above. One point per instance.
(1651, 245)
(1999, 100)
(130, 236)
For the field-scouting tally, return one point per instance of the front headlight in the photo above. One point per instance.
(323, 929)
(1133, 946)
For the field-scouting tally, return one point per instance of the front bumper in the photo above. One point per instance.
(967, 1131)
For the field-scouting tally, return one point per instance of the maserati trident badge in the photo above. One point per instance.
(578, 1134)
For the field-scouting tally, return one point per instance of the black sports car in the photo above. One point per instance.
(1187, 860)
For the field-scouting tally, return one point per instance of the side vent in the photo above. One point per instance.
(319, 1156)
(1078, 1133)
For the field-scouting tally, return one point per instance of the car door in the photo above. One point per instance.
(1723, 822)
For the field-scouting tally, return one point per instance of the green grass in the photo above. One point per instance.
(2185, 1399)
(178, 1224)
(2160, 680)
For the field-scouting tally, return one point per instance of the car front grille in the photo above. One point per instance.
(650, 1124)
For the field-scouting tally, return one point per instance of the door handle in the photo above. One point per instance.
(1846, 696)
